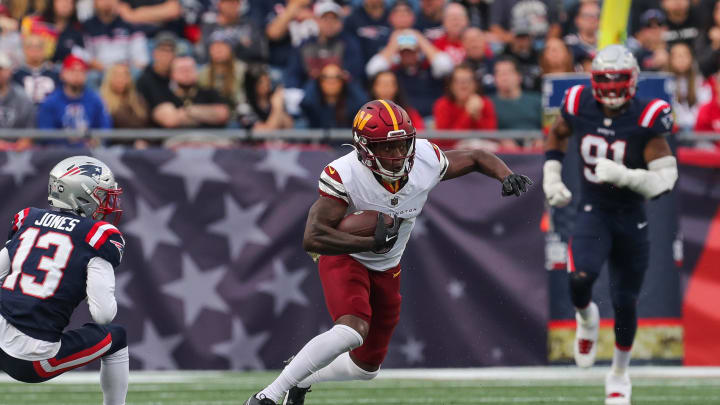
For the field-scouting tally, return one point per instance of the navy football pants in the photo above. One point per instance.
(621, 238)
(78, 347)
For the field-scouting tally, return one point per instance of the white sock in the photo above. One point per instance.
(585, 313)
(316, 354)
(341, 369)
(114, 373)
(620, 361)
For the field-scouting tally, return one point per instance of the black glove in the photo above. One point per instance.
(515, 184)
(385, 237)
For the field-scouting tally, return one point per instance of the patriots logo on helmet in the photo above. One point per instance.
(89, 170)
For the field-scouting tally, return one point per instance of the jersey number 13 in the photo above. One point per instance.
(52, 266)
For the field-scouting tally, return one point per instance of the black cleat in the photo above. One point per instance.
(296, 396)
(254, 401)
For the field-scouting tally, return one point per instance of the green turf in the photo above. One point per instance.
(234, 388)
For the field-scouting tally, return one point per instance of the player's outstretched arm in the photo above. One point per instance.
(321, 236)
(658, 179)
(462, 162)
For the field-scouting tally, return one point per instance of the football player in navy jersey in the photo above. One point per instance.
(52, 261)
(625, 160)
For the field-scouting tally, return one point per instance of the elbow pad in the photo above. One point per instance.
(660, 177)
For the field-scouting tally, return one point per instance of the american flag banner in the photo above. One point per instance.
(214, 275)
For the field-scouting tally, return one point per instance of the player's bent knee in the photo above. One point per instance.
(582, 280)
(358, 324)
(119, 336)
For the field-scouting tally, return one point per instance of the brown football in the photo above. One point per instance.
(362, 223)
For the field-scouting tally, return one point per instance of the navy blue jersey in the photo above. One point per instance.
(49, 253)
(621, 138)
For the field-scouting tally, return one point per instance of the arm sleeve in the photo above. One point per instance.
(4, 264)
(107, 241)
(101, 290)
(294, 74)
(331, 186)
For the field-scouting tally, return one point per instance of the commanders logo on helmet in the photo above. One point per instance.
(381, 121)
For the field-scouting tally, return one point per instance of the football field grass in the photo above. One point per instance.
(397, 387)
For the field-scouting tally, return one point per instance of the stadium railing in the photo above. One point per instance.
(340, 134)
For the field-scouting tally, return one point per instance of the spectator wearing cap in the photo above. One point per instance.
(242, 34)
(515, 108)
(429, 20)
(540, 18)
(189, 105)
(369, 23)
(463, 107)
(682, 22)
(647, 44)
(707, 46)
(37, 76)
(332, 100)
(420, 67)
(522, 50)
(74, 105)
(62, 16)
(287, 23)
(153, 16)
(455, 21)
(154, 82)
(16, 109)
(223, 72)
(479, 58)
(111, 40)
(331, 45)
(583, 42)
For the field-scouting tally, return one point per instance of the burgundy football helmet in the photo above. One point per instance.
(378, 122)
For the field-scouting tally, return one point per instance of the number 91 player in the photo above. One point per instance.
(625, 160)
(392, 172)
(53, 260)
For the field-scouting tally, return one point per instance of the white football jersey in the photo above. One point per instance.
(346, 179)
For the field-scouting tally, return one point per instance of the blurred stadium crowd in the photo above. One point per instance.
(277, 64)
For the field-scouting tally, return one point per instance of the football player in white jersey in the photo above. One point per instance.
(392, 172)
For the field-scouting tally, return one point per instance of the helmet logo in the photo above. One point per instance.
(361, 119)
(85, 170)
(399, 132)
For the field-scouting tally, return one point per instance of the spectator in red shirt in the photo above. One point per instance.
(455, 21)
(462, 107)
(709, 115)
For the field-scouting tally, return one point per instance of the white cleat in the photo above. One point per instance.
(586, 336)
(618, 389)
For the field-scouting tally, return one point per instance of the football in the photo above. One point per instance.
(362, 223)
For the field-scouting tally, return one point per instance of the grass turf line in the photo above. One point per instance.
(234, 388)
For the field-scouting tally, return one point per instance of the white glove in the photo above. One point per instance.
(556, 193)
(609, 171)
